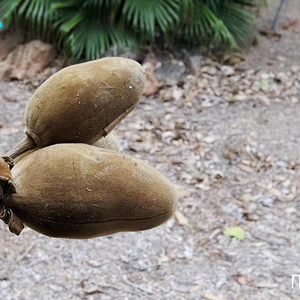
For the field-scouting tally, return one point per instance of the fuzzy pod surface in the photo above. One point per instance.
(82, 103)
(82, 191)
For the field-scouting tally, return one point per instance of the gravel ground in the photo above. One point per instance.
(230, 143)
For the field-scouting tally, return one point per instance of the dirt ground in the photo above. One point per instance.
(229, 140)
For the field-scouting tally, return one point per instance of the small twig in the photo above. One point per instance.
(125, 279)
(26, 252)
(11, 268)
(21, 292)
(243, 182)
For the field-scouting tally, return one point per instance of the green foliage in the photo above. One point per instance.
(32, 15)
(88, 28)
(218, 22)
(145, 15)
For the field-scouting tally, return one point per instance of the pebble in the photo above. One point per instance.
(227, 70)
(267, 201)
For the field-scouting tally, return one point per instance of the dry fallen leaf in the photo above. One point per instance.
(237, 98)
(209, 139)
(242, 279)
(183, 193)
(211, 296)
(246, 169)
(290, 24)
(276, 193)
(152, 84)
(273, 191)
(202, 186)
(177, 93)
(236, 231)
(181, 219)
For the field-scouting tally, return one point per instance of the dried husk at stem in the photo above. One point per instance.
(6, 181)
(7, 188)
(81, 191)
(81, 103)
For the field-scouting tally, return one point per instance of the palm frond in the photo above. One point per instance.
(30, 15)
(218, 22)
(96, 43)
(144, 15)
(8, 11)
(238, 20)
(87, 28)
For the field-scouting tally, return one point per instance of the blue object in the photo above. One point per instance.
(1, 25)
(277, 15)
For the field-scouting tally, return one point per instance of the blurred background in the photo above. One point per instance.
(219, 117)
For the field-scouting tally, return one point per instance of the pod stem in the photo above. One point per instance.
(7, 188)
(25, 145)
(4, 213)
(14, 223)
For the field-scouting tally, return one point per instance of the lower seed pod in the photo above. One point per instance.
(82, 191)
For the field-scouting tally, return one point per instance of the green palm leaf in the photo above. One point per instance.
(87, 28)
(144, 15)
(218, 22)
(96, 43)
(30, 15)
(8, 11)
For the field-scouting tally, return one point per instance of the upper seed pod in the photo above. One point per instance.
(82, 191)
(82, 103)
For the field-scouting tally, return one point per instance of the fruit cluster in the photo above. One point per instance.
(67, 178)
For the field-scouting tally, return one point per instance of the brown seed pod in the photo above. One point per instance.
(82, 191)
(82, 103)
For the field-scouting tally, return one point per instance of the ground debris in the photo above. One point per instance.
(235, 164)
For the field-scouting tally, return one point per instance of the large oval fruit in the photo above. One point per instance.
(82, 191)
(82, 103)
